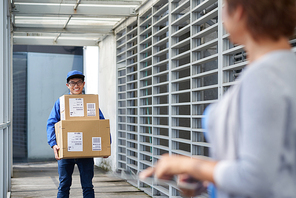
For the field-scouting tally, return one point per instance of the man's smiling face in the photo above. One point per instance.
(75, 86)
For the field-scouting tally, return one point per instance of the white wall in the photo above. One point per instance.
(100, 64)
(91, 69)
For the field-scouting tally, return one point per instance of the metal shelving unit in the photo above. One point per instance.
(172, 62)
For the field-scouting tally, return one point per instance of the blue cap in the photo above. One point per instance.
(75, 74)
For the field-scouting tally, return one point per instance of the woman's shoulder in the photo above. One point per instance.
(274, 68)
(272, 76)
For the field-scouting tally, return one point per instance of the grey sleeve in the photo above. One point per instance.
(262, 120)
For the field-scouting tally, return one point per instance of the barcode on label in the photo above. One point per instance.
(96, 144)
(97, 140)
(91, 109)
(91, 105)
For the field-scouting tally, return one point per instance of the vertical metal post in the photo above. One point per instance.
(170, 86)
(138, 100)
(5, 100)
(10, 95)
(2, 112)
(220, 50)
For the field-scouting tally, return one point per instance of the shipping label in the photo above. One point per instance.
(75, 141)
(62, 104)
(96, 144)
(63, 115)
(91, 109)
(76, 107)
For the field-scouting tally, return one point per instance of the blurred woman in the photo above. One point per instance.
(252, 129)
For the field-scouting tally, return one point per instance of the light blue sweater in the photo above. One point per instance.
(252, 131)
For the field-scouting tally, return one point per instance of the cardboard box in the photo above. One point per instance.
(79, 107)
(83, 139)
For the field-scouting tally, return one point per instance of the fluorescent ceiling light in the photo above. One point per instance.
(36, 37)
(40, 18)
(82, 5)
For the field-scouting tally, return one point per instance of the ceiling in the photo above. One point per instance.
(68, 22)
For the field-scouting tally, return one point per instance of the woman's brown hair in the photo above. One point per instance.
(267, 18)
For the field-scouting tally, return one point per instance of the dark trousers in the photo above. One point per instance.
(86, 169)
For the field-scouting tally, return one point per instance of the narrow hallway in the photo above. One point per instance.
(40, 179)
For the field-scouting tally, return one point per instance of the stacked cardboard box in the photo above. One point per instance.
(81, 133)
(79, 107)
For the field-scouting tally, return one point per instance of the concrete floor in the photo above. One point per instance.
(32, 180)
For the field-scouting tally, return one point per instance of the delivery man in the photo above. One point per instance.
(75, 83)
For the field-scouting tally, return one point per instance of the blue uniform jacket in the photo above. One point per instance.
(54, 117)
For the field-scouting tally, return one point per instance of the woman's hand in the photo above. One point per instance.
(169, 165)
(191, 187)
(166, 167)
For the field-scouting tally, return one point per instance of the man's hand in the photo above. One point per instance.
(55, 150)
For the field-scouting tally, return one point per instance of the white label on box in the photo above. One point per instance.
(62, 104)
(63, 116)
(96, 144)
(91, 109)
(75, 142)
(76, 107)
